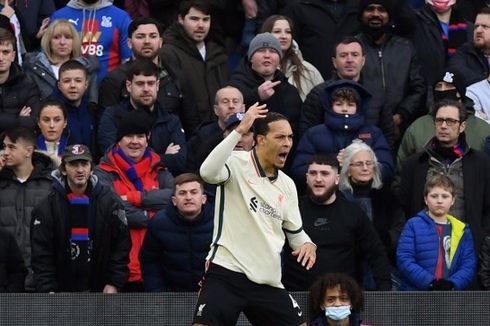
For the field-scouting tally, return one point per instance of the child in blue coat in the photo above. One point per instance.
(435, 250)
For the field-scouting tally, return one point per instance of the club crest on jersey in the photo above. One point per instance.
(106, 22)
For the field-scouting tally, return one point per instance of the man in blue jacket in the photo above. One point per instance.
(174, 251)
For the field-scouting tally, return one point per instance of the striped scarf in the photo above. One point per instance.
(131, 169)
(457, 33)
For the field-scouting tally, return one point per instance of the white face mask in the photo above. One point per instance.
(441, 5)
(337, 313)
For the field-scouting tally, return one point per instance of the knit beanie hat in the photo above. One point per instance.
(387, 4)
(133, 123)
(264, 40)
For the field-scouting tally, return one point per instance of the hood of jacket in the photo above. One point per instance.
(339, 121)
(79, 4)
(59, 183)
(245, 74)
(43, 165)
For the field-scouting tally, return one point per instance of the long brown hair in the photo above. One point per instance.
(289, 54)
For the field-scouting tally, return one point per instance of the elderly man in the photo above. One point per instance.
(228, 100)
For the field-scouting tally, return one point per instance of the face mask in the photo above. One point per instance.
(451, 94)
(337, 313)
(440, 5)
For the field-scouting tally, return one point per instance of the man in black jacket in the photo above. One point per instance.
(79, 233)
(188, 46)
(259, 79)
(341, 230)
(19, 96)
(470, 63)
(391, 72)
(24, 181)
(145, 39)
(448, 153)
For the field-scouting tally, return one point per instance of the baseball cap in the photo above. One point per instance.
(77, 152)
(234, 120)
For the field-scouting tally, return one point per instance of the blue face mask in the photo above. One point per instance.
(337, 313)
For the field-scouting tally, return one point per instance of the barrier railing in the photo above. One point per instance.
(175, 309)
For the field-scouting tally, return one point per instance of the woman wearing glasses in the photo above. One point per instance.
(345, 104)
(360, 181)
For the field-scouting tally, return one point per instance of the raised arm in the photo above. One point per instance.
(213, 169)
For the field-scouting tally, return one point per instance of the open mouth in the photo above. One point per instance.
(283, 156)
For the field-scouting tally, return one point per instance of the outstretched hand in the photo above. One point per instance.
(256, 111)
(306, 255)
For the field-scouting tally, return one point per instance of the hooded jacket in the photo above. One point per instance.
(104, 29)
(205, 77)
(50, 236)
(338, 132)
(418, 249)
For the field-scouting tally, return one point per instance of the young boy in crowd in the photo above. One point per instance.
(435, 250)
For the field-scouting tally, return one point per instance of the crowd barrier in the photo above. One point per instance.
(175, 309)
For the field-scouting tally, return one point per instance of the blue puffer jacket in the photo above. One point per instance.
(174, 251)
(338, 132)
(418, 249)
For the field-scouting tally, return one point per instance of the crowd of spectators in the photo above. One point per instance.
(383, 97)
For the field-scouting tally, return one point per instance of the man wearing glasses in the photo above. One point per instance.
(448, 153)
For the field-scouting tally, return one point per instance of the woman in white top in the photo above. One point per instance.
(300, 73)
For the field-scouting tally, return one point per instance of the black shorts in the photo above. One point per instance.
(224, 294)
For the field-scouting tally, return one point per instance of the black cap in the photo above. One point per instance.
(133, 123)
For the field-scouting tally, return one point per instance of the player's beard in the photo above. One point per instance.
(323, 197)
